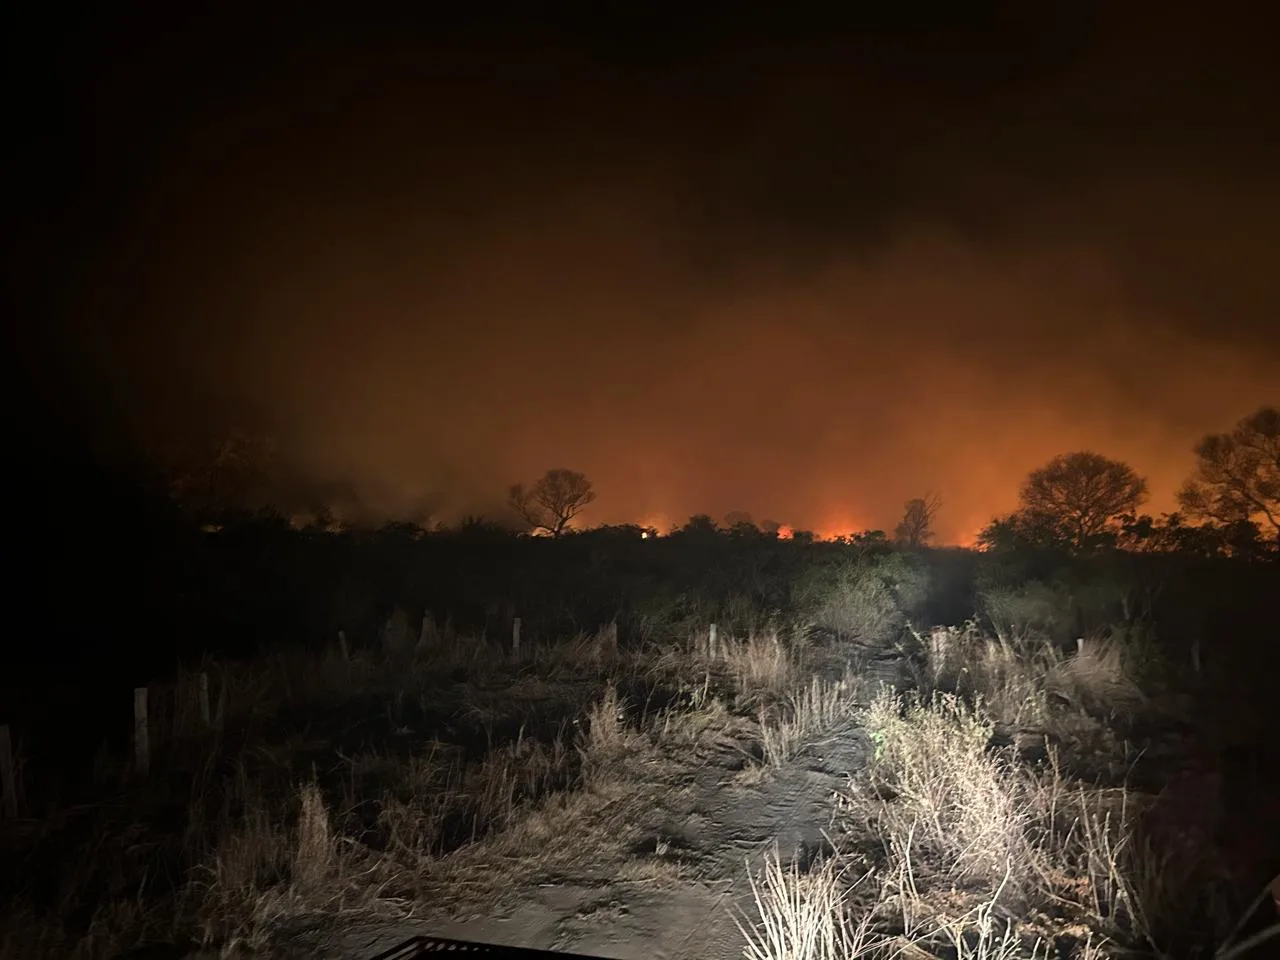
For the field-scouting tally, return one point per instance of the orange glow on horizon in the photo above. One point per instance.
(877, 354)
(837, 524)
(999, 411)
(655, 521)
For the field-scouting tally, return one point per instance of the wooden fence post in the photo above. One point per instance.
(141, 740)
(515, 638)
(711, 641)
(8, 776)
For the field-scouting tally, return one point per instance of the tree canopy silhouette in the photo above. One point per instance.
(916, 527)
(553, 501)
(1076, 497)
(1237, 474)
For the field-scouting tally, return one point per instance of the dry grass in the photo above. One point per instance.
(429, 772)
(701, 720)
(1085, 697)
(817, 708)
(449, 775)
(464, 834)
(594, 654)
(446, 827)
(1010, 680)
(982, 855)
(952, 804)
(762, 667)
(1097, 680)
(807, 915)
(985, 933)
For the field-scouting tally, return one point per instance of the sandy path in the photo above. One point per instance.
(723, 825)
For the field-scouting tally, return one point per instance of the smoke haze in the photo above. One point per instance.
(804, 276)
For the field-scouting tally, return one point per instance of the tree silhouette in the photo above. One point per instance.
(1018, 531)
(916, 527)
(1076, 497)
(700, 525)
(740, 522)
(1237, 475)
(553, 500)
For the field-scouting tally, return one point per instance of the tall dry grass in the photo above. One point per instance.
(807, 915)
(449, 827)
(812, 710)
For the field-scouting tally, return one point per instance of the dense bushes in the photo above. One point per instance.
(265, 582)
(261, 583)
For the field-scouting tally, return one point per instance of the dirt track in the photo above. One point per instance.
(718, 826)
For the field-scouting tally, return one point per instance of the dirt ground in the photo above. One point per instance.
(721, 827)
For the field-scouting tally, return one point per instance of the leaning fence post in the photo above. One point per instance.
(711, 642)
(141, 744)
(515, 638)
(8, 777)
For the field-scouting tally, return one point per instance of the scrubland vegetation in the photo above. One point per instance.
(1069, 739)
(1020, 798)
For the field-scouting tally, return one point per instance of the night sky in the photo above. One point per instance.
(792, 264)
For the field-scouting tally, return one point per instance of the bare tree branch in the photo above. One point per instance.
(1237, 475)
(916, 527)
(552, 502)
